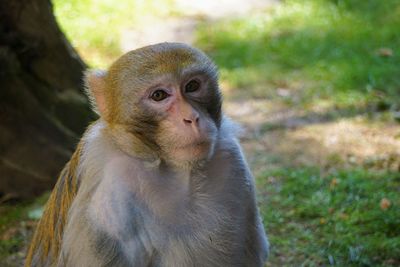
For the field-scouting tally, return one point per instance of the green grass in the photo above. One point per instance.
(10, 216)
(323, 50)
(95, 27)
(316, 219)
(14, 222)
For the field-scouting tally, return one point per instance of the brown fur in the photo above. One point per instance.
(48, 235)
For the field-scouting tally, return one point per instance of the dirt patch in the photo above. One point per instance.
(310, 140)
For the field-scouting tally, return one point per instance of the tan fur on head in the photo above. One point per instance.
(119, 95)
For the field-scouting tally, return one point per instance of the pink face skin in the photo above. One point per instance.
(186, 133)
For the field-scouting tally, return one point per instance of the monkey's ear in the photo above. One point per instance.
(95, 89)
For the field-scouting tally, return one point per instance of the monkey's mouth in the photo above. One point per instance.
(196, 145)
(195, 150)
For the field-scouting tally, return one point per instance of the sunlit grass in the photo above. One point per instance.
(344, 51)
(94, 27)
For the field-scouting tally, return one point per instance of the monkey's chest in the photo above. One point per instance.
(208, 237)
(204, 233)
(169, 227)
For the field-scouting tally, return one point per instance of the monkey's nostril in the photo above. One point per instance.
(187, 121)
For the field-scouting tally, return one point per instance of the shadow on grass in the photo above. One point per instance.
(312, 117)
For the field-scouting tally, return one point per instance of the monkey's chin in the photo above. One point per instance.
(193, 153)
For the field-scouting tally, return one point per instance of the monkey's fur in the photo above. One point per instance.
(141, 189)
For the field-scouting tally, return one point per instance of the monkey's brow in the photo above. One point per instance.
(199, 71)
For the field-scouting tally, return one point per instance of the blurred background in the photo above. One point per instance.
(315, 83)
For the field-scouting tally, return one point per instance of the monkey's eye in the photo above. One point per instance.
(192, 86)
(159, 95)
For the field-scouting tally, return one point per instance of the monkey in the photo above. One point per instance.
(160, 179)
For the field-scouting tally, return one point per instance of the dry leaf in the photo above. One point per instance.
(333, 183)
(385, 52)
(385, 203)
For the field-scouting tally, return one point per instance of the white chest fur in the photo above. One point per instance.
(181, 219)
(142, 215)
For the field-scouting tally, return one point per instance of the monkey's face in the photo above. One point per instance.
(168, 96)
(186, 131)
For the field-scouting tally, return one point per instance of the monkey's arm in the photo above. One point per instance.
(257, 245)
(46, 241)
(257, 241)
(242, 183)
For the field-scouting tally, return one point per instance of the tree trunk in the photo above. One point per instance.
(42, 108)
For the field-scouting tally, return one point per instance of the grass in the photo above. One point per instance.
(10, 215)
(16, 223)
(345, 52)
(95, 27)
(336, 218)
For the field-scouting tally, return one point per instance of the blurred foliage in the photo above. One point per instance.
(95, 26)
(346, 52)
(337, 218)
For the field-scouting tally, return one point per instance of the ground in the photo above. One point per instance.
(316, 88)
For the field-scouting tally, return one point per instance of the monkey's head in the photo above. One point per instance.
(161, 100)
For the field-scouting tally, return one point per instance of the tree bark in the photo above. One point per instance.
(42, 108)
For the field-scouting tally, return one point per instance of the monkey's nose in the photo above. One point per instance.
(191, 120)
